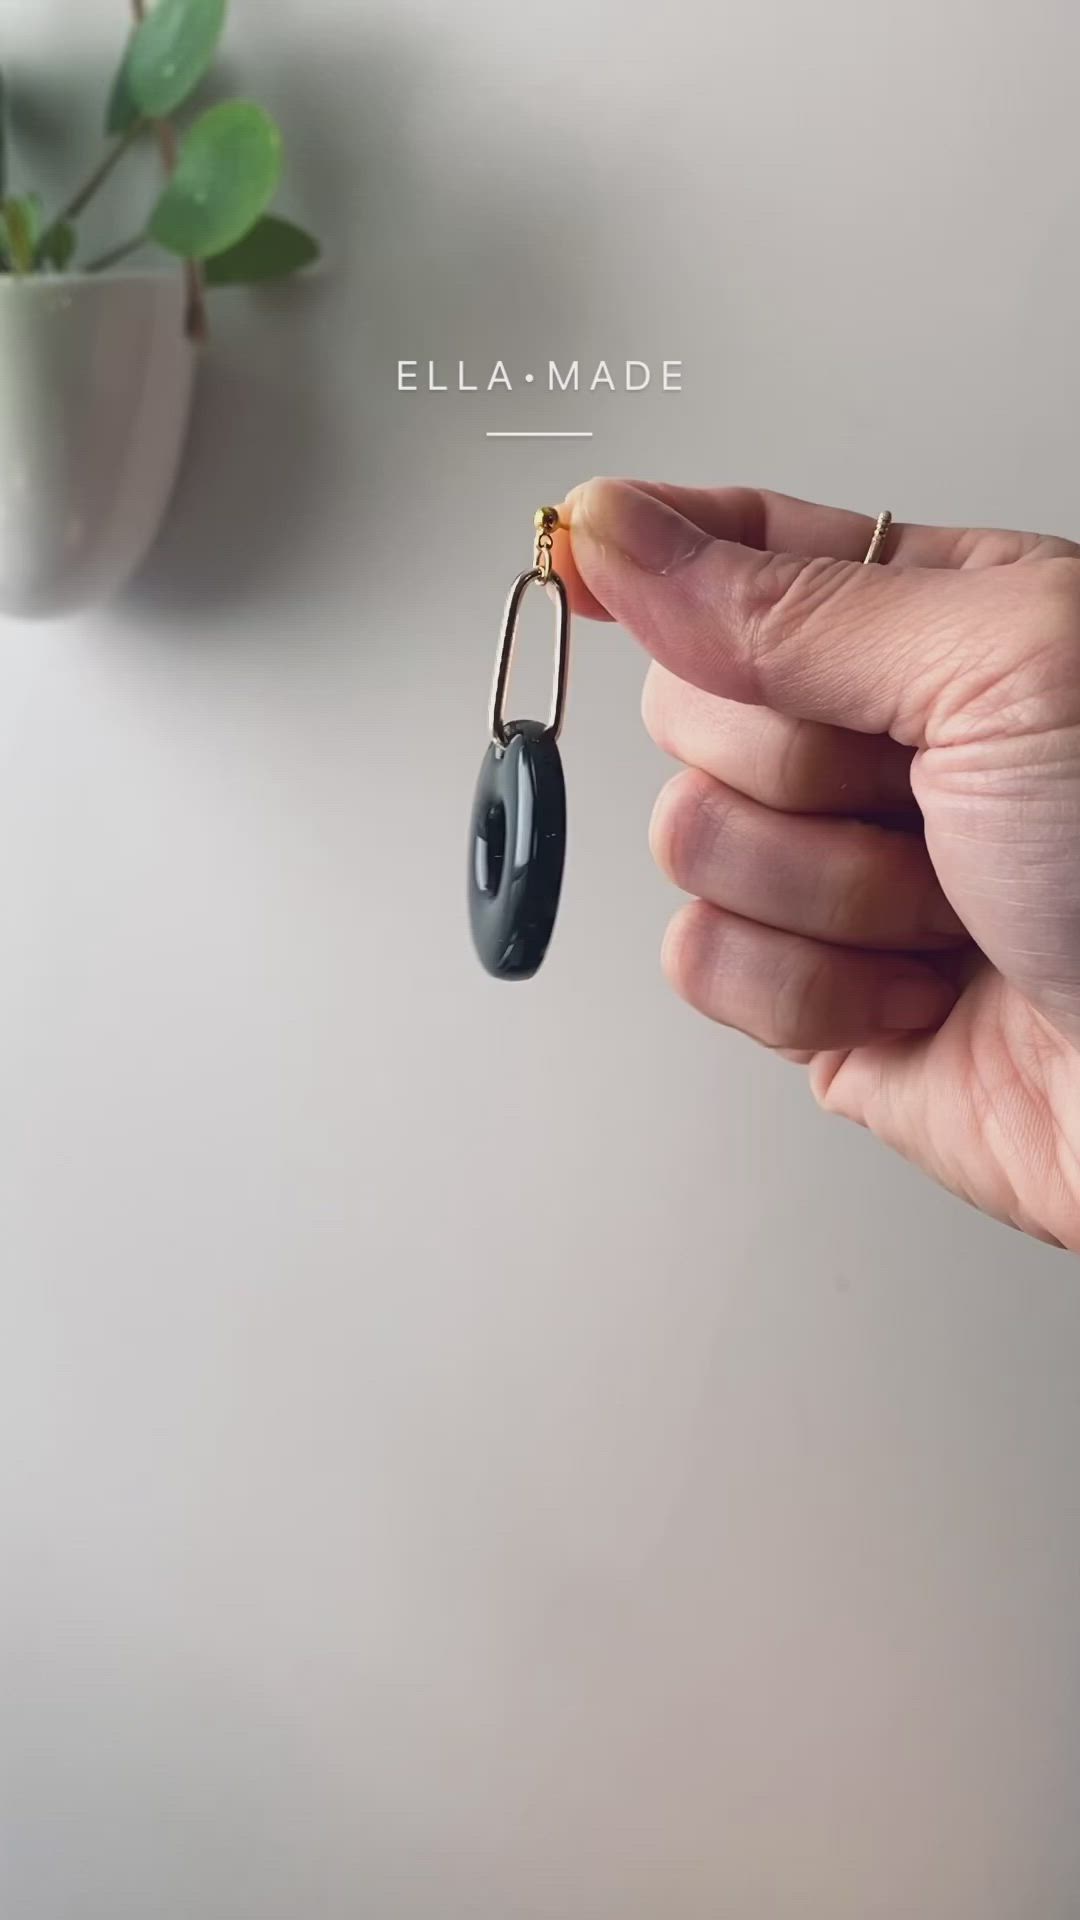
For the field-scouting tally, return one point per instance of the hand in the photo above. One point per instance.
(880, 820)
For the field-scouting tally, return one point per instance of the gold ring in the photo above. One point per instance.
(877, 540)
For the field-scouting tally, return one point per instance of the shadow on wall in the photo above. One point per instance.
(262, 453)
(204, 1828)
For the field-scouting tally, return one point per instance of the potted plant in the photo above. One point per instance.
(97, 359)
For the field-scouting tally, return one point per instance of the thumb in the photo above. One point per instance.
(871, 648)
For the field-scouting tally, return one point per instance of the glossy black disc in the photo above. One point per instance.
(517, 842)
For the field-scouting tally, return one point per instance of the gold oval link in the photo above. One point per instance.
(557, 589)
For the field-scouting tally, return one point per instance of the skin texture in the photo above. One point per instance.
(879, 820)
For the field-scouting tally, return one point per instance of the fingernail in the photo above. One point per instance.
(913, 1004)
(621, 518)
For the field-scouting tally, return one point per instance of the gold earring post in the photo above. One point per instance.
(546, 521)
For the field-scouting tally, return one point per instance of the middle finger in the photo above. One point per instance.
(798, 766)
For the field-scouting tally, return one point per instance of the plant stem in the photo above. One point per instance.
(196, 323)
(100, 174)
(115, 254)
(3, 135)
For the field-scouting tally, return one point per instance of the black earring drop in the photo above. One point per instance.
(517, 838)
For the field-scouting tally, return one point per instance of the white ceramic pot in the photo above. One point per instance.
(95, 392)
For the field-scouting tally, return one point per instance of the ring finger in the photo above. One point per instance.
(799, 996)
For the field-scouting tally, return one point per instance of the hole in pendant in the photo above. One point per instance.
(490, 849)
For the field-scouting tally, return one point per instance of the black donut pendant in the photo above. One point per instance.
(517, 846)
(517, 835)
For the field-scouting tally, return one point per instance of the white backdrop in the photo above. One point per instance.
(474, 1453)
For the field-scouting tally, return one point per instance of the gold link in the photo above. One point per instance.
(545, 521)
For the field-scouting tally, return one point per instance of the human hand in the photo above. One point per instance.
(880, 819)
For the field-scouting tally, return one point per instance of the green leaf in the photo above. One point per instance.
(56, 246)
(122, 111)
(32, 210)
(228, 167)
(166, 57)
(271, 250)
(20, 225)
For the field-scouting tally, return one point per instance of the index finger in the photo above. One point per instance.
(820, 638)
(782, 523)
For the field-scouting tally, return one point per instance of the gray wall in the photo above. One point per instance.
(473, 1454)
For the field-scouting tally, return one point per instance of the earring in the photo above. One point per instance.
(517, 837)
